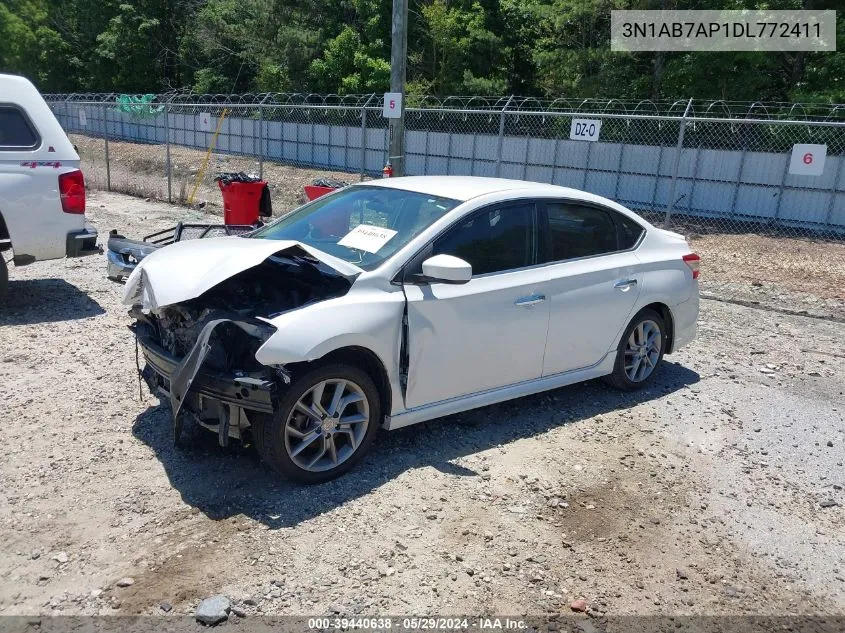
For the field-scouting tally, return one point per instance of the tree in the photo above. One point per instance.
(556, 48)
(349, 66)
(458, 53)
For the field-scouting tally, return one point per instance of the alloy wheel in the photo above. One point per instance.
(642, 351)
(326, 425)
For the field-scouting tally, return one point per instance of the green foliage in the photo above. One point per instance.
(22, 28)
(350, 66)
(458, 46)
(528, 47)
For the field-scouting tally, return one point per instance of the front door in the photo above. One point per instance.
(491, 331)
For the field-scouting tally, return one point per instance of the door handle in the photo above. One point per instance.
(625, 284)
(530, 300)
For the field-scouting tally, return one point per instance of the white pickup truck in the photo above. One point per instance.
(42, 190)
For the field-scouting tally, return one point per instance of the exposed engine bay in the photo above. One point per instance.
(278, 284)
(201, 352)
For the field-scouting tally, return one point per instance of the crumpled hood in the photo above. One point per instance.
(185, 270)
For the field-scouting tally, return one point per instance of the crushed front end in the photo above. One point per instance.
(204, 364)
(199, 353)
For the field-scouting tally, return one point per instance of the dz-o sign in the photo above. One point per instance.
(807, 160)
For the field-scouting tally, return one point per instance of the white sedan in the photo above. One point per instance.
(396, 301)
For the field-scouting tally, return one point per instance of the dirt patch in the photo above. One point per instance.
(796, 264)
(179, 574)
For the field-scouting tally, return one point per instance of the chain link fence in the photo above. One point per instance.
(736, 179)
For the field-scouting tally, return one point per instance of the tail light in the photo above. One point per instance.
(693, 261)
(72, 191)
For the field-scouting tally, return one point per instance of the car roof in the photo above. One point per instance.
(464, 188)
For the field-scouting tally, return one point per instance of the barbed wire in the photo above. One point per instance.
(698, 108)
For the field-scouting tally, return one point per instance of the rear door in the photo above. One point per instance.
(486, 333)
(593, 281)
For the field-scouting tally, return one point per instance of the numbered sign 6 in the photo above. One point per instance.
(585, 129)
(807, 159)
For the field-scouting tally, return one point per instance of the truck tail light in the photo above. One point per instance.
(693, 261)
(72, 191)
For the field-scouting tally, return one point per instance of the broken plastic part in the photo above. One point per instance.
(223, 427)
(283, 373)
(183, 376)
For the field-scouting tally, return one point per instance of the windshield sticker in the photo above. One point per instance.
(366, 237)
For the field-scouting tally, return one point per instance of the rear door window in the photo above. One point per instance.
(16, 131)
(577, 230)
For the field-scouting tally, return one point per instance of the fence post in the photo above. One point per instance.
(167, 145)
(106, 138)
(680, 146)
(364, 137)
(829, 215)
(501, 137)
(784, 176)
(261, 139)
(738, 182)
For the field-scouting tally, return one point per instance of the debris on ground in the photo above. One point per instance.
(213, 610)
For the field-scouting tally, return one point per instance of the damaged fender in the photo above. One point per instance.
(372, 321)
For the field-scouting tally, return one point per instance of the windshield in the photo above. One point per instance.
(360, 224)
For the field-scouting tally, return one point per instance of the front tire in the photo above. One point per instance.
(324, 424)
(640, 352)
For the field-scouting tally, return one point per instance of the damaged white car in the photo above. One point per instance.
(392, 302)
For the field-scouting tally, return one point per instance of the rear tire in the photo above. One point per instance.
(324, 423)
(4, 279)
(640, 352)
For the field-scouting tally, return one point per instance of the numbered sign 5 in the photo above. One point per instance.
(205, 122)
(585, 129)
(392, 105)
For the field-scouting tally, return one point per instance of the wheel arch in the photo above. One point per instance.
(668, 320)
(363, 358)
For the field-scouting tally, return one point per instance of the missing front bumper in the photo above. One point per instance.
(252, 392)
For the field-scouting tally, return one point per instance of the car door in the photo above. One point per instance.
(486, 333)
(594, 281)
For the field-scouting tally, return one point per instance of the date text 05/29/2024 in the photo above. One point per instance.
(418, 624)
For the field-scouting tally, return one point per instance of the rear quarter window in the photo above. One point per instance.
(629, 232)
(16, 131)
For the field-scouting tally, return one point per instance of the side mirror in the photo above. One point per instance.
(446, 269)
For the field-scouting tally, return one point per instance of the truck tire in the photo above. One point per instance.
(4, 279)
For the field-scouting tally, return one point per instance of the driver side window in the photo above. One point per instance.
(493, 240)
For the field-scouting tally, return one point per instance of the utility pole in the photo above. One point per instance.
(398, 59)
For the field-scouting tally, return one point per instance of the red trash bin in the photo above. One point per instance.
(241, 201)
(312, 192)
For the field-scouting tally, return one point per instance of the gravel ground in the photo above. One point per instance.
(716, 491)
